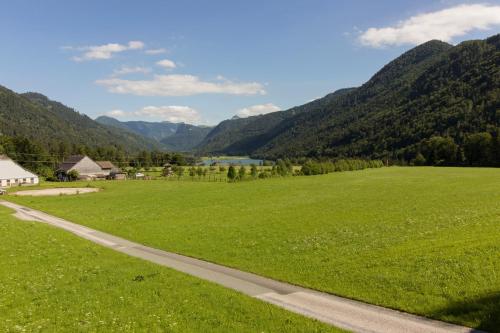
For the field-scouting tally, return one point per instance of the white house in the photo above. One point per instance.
(12, 174)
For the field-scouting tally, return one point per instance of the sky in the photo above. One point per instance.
(202, 62)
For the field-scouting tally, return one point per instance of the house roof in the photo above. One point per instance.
(11, 170)
(70, 162)
(106, 165)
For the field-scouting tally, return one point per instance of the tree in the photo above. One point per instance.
(419, 160)
(192, 172)
(178, 159)
(73, 175)
(242, 172)
(231, 173)
(178, 171)
(253, 170)
(478, 148)
(199, 171)
(440, 150)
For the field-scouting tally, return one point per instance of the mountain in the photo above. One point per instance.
(186, 137)
(153, 130)
(50, 123)
(172, 136)
(435, 89)
(239, 136)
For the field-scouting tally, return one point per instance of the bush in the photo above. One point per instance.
(73, 175)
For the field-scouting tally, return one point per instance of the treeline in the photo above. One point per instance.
(312, 167)
(478, 149)
(44, 161)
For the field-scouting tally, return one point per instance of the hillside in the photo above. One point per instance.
(239, 136)
(51, 123)
(186, 137)
(153, 130)
(172, 136)
(435, 89)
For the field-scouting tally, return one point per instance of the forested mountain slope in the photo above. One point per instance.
(153, 130)
(186, 137)
(243, 135)
(172, 136)
(51, 124)
(435, 89)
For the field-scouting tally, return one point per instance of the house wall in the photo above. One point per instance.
(18, 181)
(87, 167)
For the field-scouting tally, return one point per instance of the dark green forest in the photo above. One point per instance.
(437, 104)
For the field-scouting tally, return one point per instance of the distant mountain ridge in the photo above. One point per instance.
(172, 136)
(434, 89)
(50, 123)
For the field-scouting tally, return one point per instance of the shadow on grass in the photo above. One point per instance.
(485, 311)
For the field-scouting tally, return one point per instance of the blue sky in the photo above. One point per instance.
(220, 58)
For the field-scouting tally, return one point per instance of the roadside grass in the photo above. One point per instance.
(52, 281)
(423, 240)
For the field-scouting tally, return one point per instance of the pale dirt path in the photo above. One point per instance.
(340, 312)
(56, 191)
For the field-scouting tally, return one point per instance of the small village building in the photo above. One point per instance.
(167, 170)
(12, 174)
(87, 169)
(118, 175)
(107, 167)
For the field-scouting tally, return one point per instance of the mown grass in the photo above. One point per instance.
(423, 240)
(52, 281)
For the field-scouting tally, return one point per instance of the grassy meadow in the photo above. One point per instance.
(53, 281)
(423, 240)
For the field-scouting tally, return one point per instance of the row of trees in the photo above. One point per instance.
(478, 149)
(312, 167)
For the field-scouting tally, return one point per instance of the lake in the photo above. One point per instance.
(229, 161)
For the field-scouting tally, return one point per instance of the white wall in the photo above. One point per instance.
(17, 181)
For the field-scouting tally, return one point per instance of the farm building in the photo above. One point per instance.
(111, 171)
(107, 167)
(12, 174)
(87, 169)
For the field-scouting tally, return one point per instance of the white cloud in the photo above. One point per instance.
(179, 85)
(155, 51)
(135, 45)
(257, 110)
(443, 25)
(116, 113)
(165, 63)
(172, 113)
(124, 70)
(103, 52)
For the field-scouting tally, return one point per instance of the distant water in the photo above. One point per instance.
(235, 161)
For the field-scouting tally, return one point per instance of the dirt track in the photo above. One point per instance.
(56, 191)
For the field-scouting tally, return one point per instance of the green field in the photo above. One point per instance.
(423, 240)
(53, 281)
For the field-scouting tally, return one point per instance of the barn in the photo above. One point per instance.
(12, 174)
(87, 169)
(107, 167)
